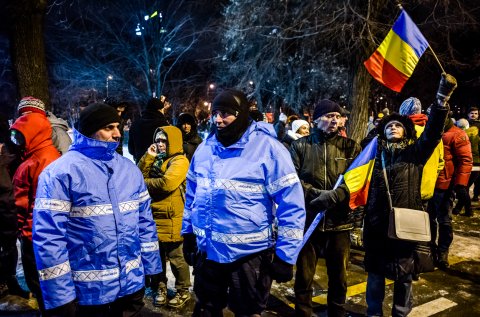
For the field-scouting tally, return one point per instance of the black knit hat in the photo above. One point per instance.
(326, 106)
(155, 104)
(230, 101)
(96, 116)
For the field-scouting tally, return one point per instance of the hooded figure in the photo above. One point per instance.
(404, 156)
(164, 168)
(188, 125)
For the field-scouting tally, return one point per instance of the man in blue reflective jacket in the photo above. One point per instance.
(93, 232)
(244, 213)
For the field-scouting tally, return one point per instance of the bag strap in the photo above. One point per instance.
(386, 181)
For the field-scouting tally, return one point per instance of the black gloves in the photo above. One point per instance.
(461, 192)
(190, 249)
(447, 85)
(325, 199)
(280, 270)
(67, 310)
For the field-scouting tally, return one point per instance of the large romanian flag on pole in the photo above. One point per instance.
(393, 62)
(358, 175)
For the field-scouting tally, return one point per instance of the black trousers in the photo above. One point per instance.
(30, 271)
(335, 248)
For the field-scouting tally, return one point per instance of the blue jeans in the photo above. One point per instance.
(402, 295)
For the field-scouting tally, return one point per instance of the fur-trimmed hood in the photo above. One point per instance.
(410, 133)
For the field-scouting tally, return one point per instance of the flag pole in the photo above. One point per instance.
(399, 5)
(438, 61)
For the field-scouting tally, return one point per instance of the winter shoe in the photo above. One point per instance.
(180, 299)
(455, 211)
(442, 262)
(160, 297)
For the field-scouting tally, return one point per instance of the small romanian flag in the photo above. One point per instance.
(357, 177)
(393, 62)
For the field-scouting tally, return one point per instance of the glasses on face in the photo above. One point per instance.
(222, 115)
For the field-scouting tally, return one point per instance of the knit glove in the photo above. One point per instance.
(325, 199)
(280, 270)
(190, 249)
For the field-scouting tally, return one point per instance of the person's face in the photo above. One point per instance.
(394, 131)
(473, 115)
(109, 133)
(222, 119)
(328, 123)
(161, 141)
(304, 130)
(120, 110)
(186, 127)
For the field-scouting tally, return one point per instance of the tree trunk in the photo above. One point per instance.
(28, 49)
(359, 96)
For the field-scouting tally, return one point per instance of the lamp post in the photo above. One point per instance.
(109, 77)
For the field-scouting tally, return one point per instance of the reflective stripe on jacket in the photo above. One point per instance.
(93, 233)
(232, 193)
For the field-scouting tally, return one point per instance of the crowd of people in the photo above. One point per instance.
(97, 229)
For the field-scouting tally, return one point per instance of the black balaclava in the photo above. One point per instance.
(233, 102)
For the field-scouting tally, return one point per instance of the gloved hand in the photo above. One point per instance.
(325, 199)
(280, 270)
(461, 191)
(447, 85)
(190, 249)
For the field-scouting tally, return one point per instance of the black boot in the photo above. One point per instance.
(442, 261)
(455, 211)
(15, 289)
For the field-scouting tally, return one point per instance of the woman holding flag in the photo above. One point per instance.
(404, 157)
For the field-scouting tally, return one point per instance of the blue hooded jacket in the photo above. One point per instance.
(93, 233)
(244, 198)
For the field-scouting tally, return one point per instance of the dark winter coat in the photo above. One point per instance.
(141, 132)
(191, 140)
(404, 166)
(8, 212)
(319, 160)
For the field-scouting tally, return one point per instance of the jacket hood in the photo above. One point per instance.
(175, 140)
(419, 119)
(93, 148)
(410, 133)
(36, 129)
(186, 118)
(57, 122)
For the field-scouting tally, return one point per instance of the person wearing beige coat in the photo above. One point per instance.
(164, 168)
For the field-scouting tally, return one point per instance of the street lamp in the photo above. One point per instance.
(109, 77)
(210, 87)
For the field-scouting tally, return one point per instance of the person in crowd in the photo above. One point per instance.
(241, 188)
(256, 115)
(412, 107)
(142, 129)
(188, 125)
(319, 160)
(473, 120)
(280, 126)
(8, 217)
(92, 212)
(342, 124)
(32, 134)
(164, 168)
(452, 181)
(300, 128)
(60, 138)
(400, 161)
(120, 106)
(464, 200)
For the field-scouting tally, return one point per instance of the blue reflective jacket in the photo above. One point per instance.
(93, 233)
(232, 193)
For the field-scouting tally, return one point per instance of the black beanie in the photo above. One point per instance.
(326, 106)
(96, 116)
(155, 104)
(230, 101)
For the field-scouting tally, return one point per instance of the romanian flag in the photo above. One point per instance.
(395, 59)
(358, 175)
